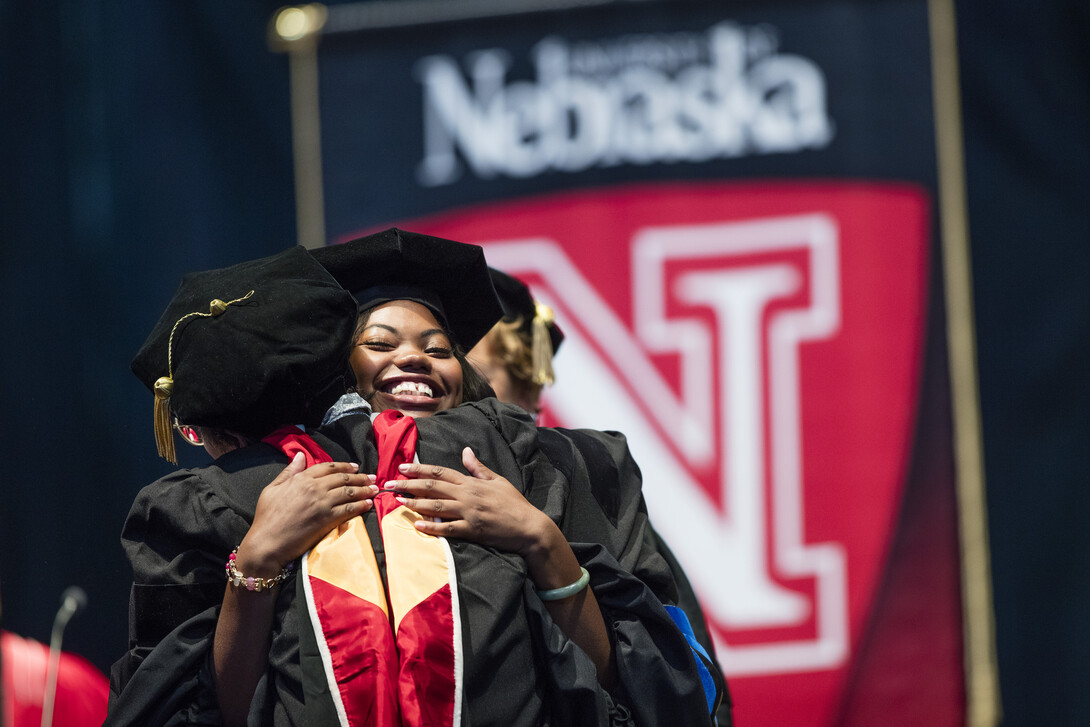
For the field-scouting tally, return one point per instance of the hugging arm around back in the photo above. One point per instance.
(183, 527)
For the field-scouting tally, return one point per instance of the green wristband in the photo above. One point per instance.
(555, 594)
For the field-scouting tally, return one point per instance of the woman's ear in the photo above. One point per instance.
(218, 442)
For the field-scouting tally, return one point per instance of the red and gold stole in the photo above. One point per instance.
(392, 657)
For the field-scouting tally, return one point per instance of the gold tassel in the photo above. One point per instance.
(164, 435)
(164, 385)
(542, 345)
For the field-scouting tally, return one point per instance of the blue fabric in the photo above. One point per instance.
(348, 404)
(702, 658)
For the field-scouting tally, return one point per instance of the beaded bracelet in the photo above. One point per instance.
(555, 594)
(252, 583)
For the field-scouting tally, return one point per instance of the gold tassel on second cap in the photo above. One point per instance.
(542, 345)
(164, 435)
(164, 385)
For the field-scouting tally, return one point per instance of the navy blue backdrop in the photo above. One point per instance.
(142, 140)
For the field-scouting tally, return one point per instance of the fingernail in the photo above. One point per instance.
(353, 464)
(373, 478)
(400, 499)
(389, 485)
(403, 467)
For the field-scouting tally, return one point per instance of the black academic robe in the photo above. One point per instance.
(520, 669)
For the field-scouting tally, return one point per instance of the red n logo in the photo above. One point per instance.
(760, 348)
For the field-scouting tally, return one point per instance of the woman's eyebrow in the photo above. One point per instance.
(391, 329)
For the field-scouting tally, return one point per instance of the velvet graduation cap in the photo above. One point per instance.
(536, 322)
(450, 278)
(248, 347)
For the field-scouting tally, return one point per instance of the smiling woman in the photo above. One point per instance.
(421, 299)
(423, 303)
(403, 359)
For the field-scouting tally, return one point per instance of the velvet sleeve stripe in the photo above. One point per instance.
(712, 686)
(159, 608)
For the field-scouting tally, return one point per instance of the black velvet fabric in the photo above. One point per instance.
(454, 274)
(275, 357)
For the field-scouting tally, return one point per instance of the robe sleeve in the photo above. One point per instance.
(171, 537)
(613, 487)
(177, 536)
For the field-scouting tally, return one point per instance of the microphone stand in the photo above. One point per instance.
(72, 600)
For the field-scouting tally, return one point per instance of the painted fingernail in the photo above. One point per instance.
(403, 467)
(401, 499)
(389, 485)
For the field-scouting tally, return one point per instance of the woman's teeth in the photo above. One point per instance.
(414, 388)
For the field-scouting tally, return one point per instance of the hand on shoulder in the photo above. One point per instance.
(299, 507)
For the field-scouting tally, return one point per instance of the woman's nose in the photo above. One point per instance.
(412, 359)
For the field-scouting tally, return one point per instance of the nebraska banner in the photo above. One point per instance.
(733, 211)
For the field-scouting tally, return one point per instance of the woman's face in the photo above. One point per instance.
(403, 360)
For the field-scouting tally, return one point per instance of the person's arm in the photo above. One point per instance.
(552, 564)
(485, 508)
(611, 486)
(293, 513)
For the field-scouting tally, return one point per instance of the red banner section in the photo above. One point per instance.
(760, 345)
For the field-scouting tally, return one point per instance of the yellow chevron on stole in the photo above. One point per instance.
(344, 558)
(419, 560)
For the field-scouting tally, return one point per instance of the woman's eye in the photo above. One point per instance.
(376, 345)
(441, 351)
